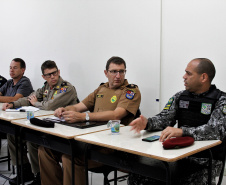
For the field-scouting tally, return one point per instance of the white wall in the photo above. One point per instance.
(81, 36)
(191, 29)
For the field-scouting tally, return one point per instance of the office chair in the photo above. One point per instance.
(218, 153)
(7, 157)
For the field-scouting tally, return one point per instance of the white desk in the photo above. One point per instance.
(59, 138)
(129, 143)
(60, 130)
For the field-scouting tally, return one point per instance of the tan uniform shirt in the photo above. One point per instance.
(61, 95)
(105, 99)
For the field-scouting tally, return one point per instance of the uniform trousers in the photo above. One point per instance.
(32, 151)
(52, 173)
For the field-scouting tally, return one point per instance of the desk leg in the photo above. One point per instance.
(21, 155)
(72, 161)
(210, 167)
(17, 154)
(168, 177)
(86, 165)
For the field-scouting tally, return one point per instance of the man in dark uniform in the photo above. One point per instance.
(55, 93)
(2, 81)
(200, 111)
(114, 100)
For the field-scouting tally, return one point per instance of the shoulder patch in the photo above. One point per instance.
(63, 89)
(132, 86)
(168, 105)
(130, 94)
(206, 108)
(224, 109)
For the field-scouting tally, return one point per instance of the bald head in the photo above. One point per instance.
(205, 65)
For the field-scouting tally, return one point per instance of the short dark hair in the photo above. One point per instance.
(21, 61)
(48, 64)
(115, 60)
(206, 66)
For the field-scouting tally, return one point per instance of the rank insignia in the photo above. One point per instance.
(168, 105)
(113, 99)
(224, 109)
(100, 95)
(130, 94)
(206, 108)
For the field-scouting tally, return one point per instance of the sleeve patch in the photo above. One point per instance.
(130, 94)
(63, 89)
(168, 105)
(224, 109)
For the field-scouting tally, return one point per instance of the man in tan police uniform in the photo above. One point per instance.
(114, 100)
(55, 93)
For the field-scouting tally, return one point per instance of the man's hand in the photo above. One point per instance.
(32, 99)
(7, 106)
(139, 124)
(169, 132)
(58, 112)
(72, 116)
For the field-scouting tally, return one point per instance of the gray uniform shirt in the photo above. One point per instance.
(214, 129)
(23, 86)
(61, 95)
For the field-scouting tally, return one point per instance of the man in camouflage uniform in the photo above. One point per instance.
(55, 93)
(114, 100)
(200, 111)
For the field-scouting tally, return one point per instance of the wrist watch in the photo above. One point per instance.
(87, 116)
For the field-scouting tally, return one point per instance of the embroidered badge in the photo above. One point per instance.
(183, 104)
(130, 94)
(113, 99)
(63, 89)
(206, 108)
(168, 105)
(46, 92)
(100, 95)
(224, 109)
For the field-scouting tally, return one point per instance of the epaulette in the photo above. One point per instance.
(64, 84)
(132, 86)
(102, 84)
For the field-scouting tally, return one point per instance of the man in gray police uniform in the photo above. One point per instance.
(200, 111)
(55, 93)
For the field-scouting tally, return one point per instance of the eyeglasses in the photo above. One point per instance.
(48, 75)
(115, 72)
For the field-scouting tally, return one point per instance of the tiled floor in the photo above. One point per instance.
(95, 179)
